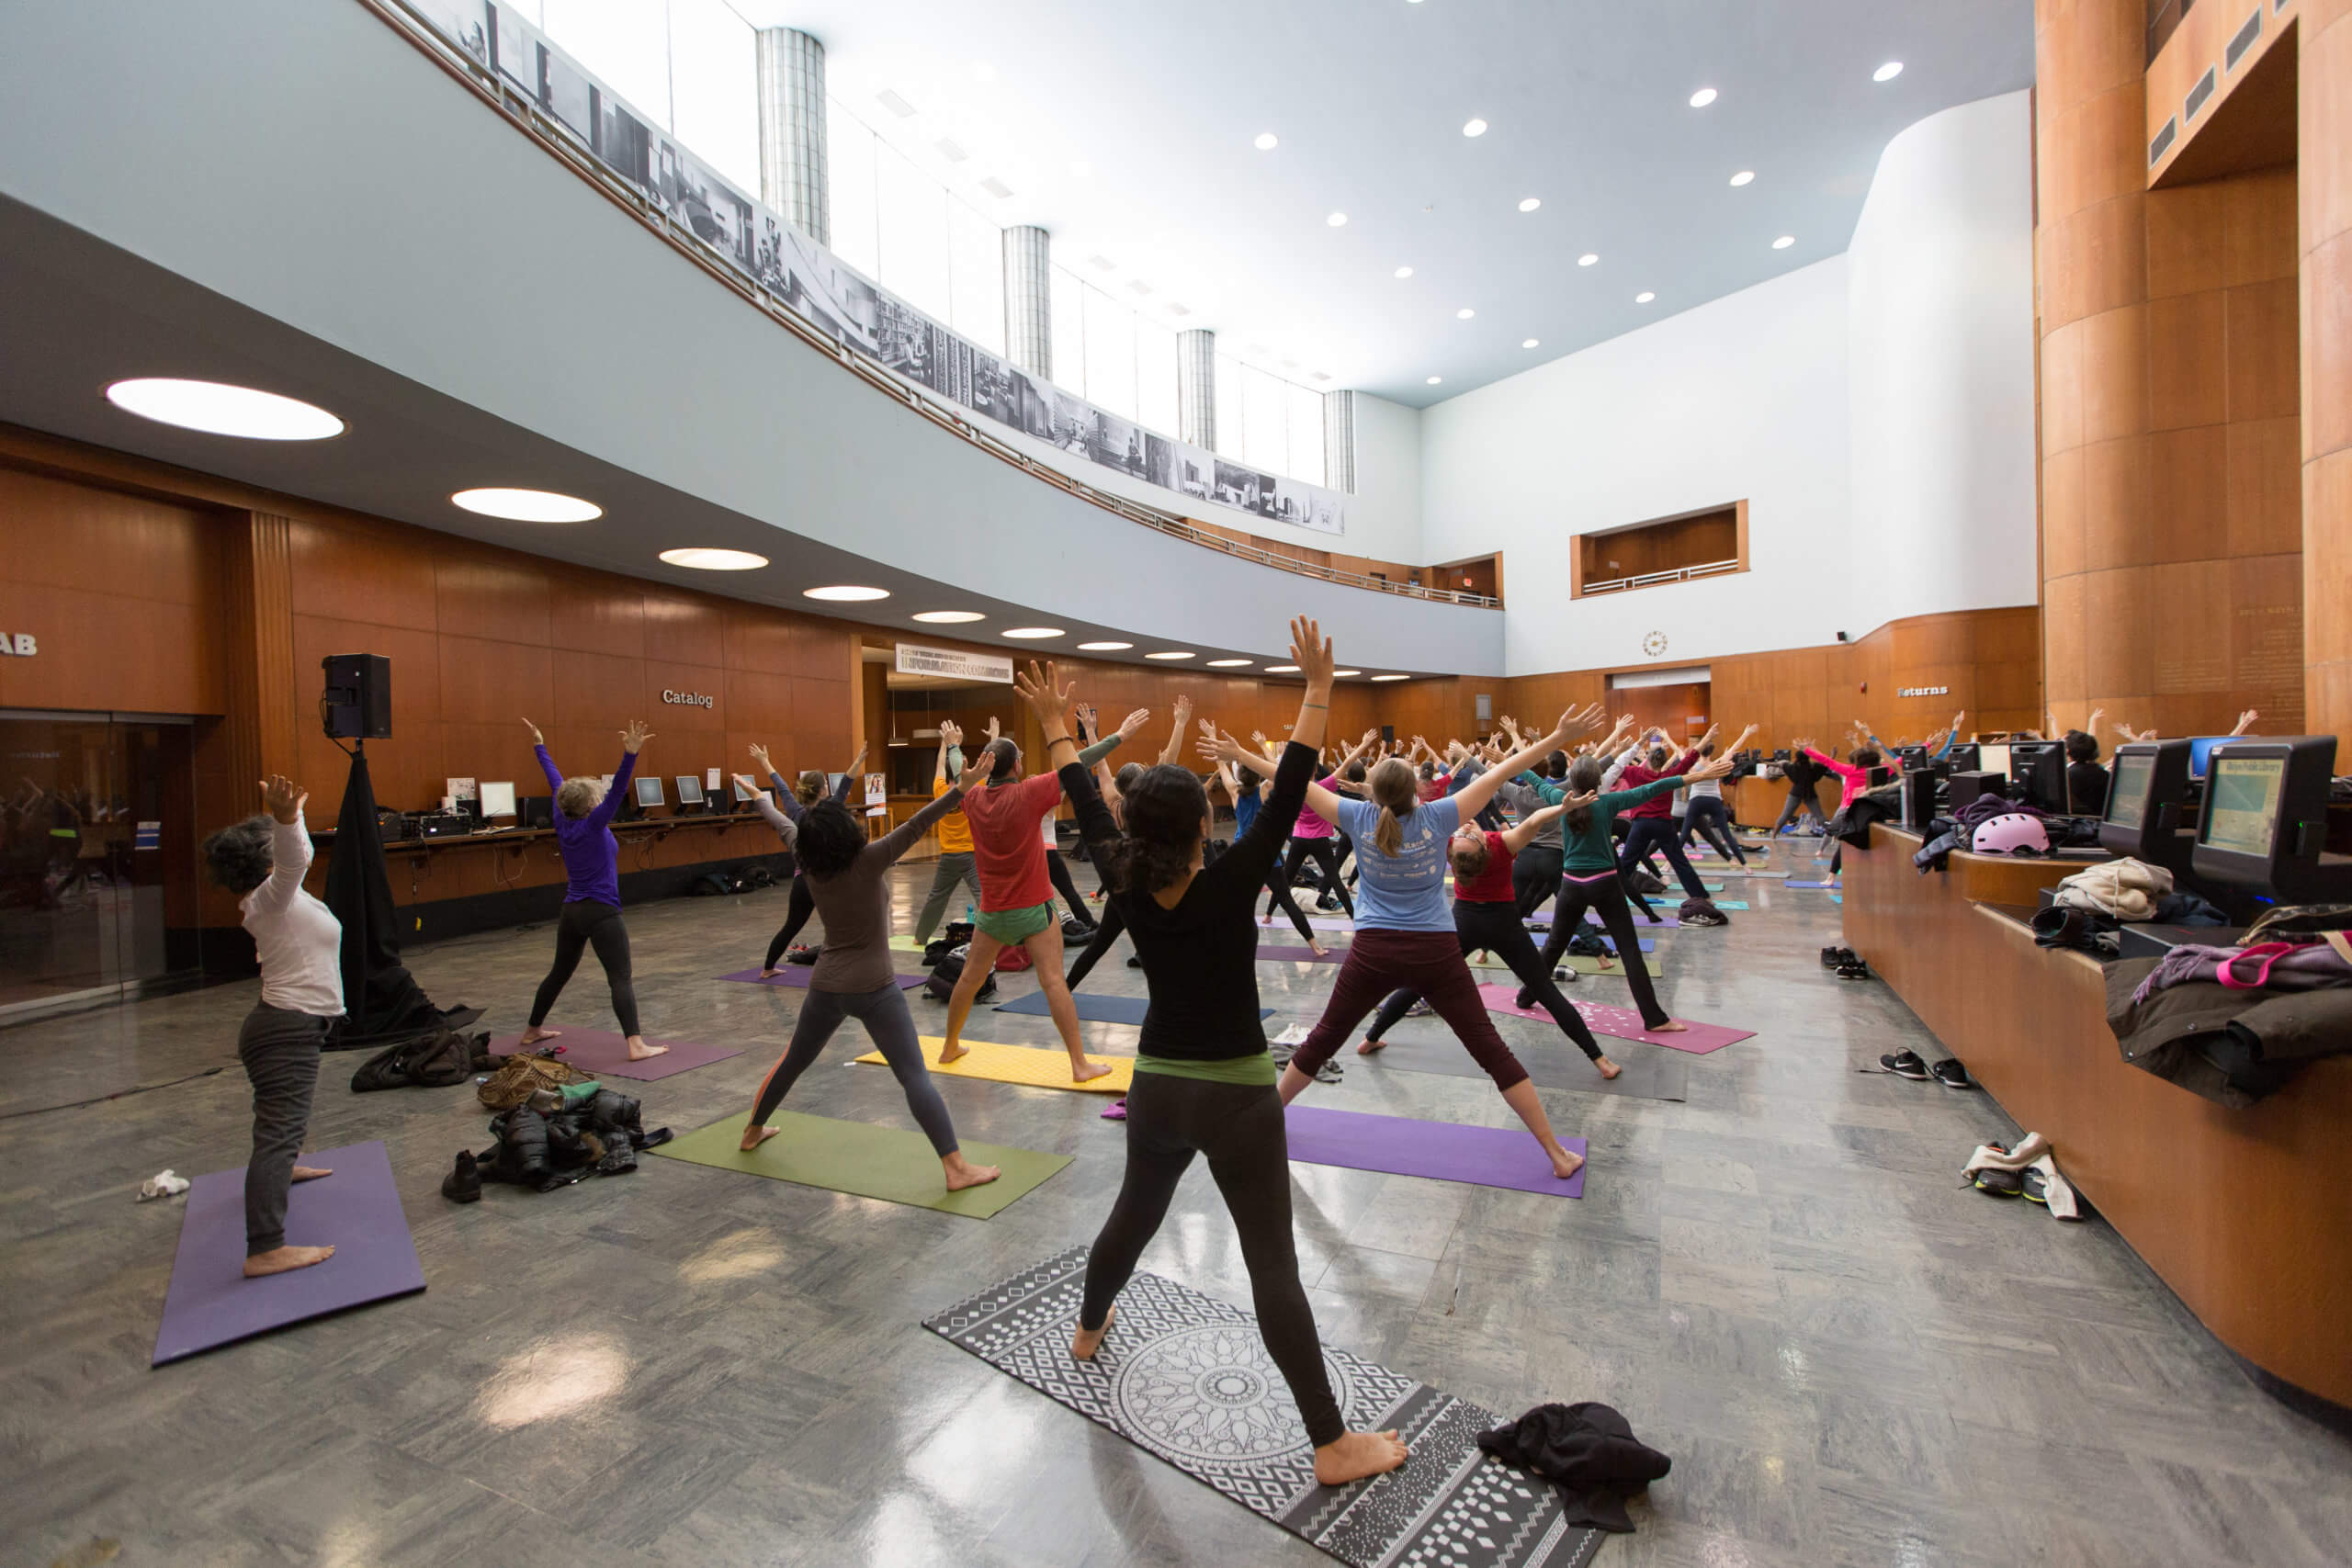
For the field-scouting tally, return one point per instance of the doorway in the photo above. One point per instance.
(1676, 701)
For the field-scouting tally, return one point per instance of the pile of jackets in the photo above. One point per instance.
(561, 1135)
(2234, 1024)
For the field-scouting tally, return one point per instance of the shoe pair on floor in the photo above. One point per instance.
(1910, 1064)
(1845, 962)
(2029, 1184)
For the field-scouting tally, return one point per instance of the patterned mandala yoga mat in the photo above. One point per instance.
(1187, 1378)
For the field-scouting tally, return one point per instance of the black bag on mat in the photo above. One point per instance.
(941, 987)
(442, 1059)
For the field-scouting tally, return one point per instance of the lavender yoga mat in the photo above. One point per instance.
(1623, 1023)
(1592, 917)
(1823, 886)
(1299, 955)
(356, 1211)
(601, 1053)
(796, 977)
(1442, 1151)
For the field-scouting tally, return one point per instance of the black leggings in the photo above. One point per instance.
(1098, 944)
(1534, 876)
(1657, 832)
(1603, 891)
(1239, 1127)
(1327, 857)
(1495, 928)
(1709, 816)
(585, 921)
(1059, 871)
(795, 915)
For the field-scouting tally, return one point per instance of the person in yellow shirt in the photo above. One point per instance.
(955, 864)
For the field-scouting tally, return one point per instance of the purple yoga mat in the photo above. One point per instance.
(1442, 1151)
(1301, 954)
(796, 977)
(1623, 1023)
(1824, 887)
(601, 1053)
(1665, 921)
(356, 1211)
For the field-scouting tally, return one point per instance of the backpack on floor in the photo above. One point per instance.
(1701, 913)
(946, 972)
(1012, 959)
(958, 933)
(441, 1059)
(1587, 943)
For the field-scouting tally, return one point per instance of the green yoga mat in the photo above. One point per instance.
(888, 1162)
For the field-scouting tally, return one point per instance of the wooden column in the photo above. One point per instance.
(2324, 188)
(266, 693)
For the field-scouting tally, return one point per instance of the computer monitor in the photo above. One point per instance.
(2041, 767)
(1993, 757)
(744, 796)
(2265, 819)
(689, 791)
(498, 799)
(2146, 782)
(649, 792)
(1963, 758)
(1911, 757)
(2200, 752)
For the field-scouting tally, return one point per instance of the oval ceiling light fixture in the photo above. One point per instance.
(846, 594)
(1104, 647)
(1888, 72)
(1474, 128)
(1745, 177)
(1389, 677)
(702, 558)
(1530, 343)
(528, 505)
(216, 408)
(949, 617)
(1404, 272)
(1337, 220)
(1588, 259)
(1347, 672)
(1033, 634)
(1172, 653)
(1784, 242)
(1465, 313)
(1702, 97)
(1230, 663)
(1529, 204)
(1267, 142)
(1282, 668)
(1436, 380)
(1644, 298)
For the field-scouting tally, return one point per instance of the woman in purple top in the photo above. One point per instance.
(592, 899)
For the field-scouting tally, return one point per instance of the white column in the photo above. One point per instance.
(1196, 386)
(792, 131)
(1029, 300)
(1339, 440)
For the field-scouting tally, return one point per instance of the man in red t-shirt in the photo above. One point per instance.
(1016, 897)
(1650, 825)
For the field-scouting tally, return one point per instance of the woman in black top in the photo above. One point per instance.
(1204, 1083)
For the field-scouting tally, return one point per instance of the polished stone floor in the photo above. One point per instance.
(1852, 1358)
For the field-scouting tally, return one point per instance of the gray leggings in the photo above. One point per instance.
(280, 1051)
(892, 1029)
(951, 869)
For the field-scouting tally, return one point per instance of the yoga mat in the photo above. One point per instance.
(1665, 921)
(795, 976)
(1020, 1063)
(356, 1211)
(601, 1053)
(1730, 903)
(858, 1157)
(1625, 1023)
(1299, 955)
(1186, 1378)
(1442, 1151)
(907, 944)
(1648, 1075)
(1837, 897)
(1580, 963)
(1094, 1008)
(1823, 886)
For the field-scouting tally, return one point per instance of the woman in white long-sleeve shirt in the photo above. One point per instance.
(300, 943)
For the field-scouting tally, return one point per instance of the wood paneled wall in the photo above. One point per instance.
(2324, 184)
(1661, 547)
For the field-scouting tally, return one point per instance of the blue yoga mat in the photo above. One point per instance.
(1821, 886)
(1095, 1008)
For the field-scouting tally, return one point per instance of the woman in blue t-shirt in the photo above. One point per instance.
(1405, 933)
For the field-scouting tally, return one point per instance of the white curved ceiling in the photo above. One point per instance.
(1127, 130)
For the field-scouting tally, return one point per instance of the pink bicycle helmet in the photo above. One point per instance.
(2014, 833)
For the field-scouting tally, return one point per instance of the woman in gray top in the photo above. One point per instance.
(853, 977)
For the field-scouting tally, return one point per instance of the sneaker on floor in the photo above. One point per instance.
(1565, 975)
(1905, 1065)
(1831, 957)
(1999, 1183)
(1420, 1008)
(1854, 970)
(2034, 1186)
(1951, 1075)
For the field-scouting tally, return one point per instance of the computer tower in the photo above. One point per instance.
(1967, 785)
(535, 811)
(357, 702)
(1918, 798)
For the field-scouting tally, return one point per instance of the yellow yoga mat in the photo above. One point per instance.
(1581, 965)
(1029, 1064)
(906, 944)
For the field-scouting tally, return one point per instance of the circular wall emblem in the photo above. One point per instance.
(1655, 644)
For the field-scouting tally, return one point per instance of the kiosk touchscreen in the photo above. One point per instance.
(1993, 757)
(649, 792)
(2146, 784)
(1963, 758)
(498, 799)
(689, 793)
(2265, 819)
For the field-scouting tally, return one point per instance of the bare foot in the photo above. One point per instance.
(1085, 1341)
(281, 1260)
(311, 1172)
(962, 1173)
(951, 1052)
(639, 1050)
(1357, 1455)
(1369, 1046)
(1609, 1069)
(1265, 919)
(1318, 949)
(1672, 1026)
(533, 1036)
(768, 973)
(754, 1136)
(1086, 1069)
(1564, 1164)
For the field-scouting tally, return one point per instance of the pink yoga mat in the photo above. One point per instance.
(1665, 921)
(602, 1054)
(1299, 955)
(1622, 1024)
(795, 976)
(1442, 1151)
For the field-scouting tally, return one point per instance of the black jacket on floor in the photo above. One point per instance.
(1589, 1451)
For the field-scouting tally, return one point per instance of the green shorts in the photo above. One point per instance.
(1013, 927)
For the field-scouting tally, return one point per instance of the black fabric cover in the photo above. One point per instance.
(1589, 1451)
(380, 999)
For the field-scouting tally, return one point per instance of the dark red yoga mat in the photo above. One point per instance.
(356, 1211)
(1442, 1151)
(1300, 956)
(602, 1054)
(795, 976)
(1623, 1023)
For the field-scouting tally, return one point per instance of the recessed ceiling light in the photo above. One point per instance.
(1587, 259)
(1282, 668)
(1391, 677)
(846, 594)
(219, 409)
(1743, 177)
(1784, 242)
(1465, 313)
(1347, 672)
(1474, 128)
(1230, 663)
(528, 505)
(1530, 343)
(1888, 72)
(1702, 97)
(1031, 634)
(1267, 142)
(1531, 203)
(1172, 654)
(1644, 298)
(697, 559)
(1404, 272)
(1435, 380)
(949, 617)
(1104, 647)
(1337, 219)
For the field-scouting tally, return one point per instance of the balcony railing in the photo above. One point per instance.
(1652, 579)
(527, 116)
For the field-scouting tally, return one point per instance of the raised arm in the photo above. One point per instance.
(785, 828)
(633, 740)
(899, 840)
(850, 776)
(1092, 755)
(546, 763)
(1843, 770)
(289, 842)
(1325, 802)
(1175, 747)
(2245, 722)
(950, 736)
(1475, 794)
(1520, 837)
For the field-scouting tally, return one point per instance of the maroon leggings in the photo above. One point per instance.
(1378, 962)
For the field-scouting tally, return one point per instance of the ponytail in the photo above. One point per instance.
(1394, 787)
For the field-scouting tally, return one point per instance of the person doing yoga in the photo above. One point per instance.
(849, 879)
(592, 896)
(1312, 836)
(1405, 933)
(1650, 824)
(1204, 1083)
(798, 799)
(1707, 814)
(1589, 877)
(1016, 899)
(1486, 919)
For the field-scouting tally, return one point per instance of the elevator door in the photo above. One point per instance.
(97, 856)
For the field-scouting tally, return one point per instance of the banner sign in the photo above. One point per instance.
(953, 664)
(811, 281)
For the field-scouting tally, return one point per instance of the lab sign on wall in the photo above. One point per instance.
(22, 644)
(953, 664)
